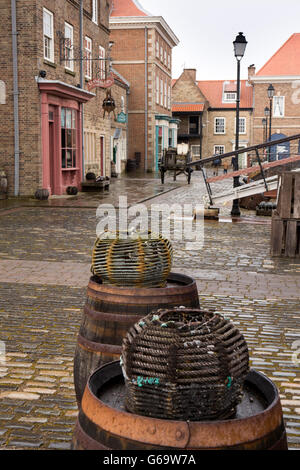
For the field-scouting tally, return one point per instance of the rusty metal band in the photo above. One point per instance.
(181, 434)
(238, 431)
(185, 283)
(134, 427)
(81, 439)
(113, 317)
(92, 346)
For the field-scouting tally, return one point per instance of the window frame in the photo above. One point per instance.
(95, 11)
(215, 125)
(70, 48)
(197, 127)
(230, 100)
(51, 47)
(217, 148)
(102, 63)
(244, 119)
(88, 73)
(283, 106)
(73, 148)
(157, 90)
(161, 92)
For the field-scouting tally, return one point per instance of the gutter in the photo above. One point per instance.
(15, 98)
(81, 84)
(146, 99)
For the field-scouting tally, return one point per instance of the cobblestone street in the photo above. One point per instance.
(45, 257)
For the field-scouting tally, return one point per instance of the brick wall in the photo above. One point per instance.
(30, 62)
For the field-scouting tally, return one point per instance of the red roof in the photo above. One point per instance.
(286, 61)
(187, 107)
(127, 8)
(213, 92)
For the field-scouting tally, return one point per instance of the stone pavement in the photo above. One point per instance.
(45, 255)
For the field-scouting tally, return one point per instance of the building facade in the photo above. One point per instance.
(51, 121)
(142, 53)
(207, 113)
(282, 71)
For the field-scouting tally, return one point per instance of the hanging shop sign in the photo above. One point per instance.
(122, 117)
(98, 82)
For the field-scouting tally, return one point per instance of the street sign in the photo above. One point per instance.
(122, 117)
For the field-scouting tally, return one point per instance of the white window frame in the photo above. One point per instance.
(161, 92)
(88, 49)
(195, 154)
(69, 64)
(161, 54)
(169, 61)
(276, 98)
(165, 95)
(95, 11)
(157, 89)
(102, 67)
(157, 49)
(169, 97)
(165, 57)
(215, 125)
(217, 149)
(242, 119)
(230, 96)
(48, 35)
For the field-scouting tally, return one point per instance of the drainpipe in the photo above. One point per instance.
(146, 99)
(16, 96)
(81, 81)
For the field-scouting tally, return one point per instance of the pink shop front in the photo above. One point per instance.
(61, 129)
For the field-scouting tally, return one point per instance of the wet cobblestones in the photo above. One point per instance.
(41, 310)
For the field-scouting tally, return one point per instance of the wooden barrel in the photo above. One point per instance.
(103, 424)
(110, 311)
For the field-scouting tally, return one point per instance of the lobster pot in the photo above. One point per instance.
(184, 364)
(138, 259)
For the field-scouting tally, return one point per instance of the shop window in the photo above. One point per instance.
(68, 138)
(48, 35)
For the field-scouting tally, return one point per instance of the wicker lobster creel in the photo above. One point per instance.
(184, 364)
(132, 259)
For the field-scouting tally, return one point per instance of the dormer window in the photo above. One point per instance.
(230, 96)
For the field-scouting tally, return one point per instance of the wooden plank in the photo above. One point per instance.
(296, 213)
(277, 233)
(285, 200)
(291, 239)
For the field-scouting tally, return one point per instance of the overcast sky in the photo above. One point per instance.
(206, 30)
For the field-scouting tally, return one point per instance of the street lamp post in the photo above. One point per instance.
(239, 44)
(265, 124)
(271, 92)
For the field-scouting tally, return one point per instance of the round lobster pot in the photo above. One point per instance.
(103, 423)
(110, 311)
(137, 259)
(184, 364)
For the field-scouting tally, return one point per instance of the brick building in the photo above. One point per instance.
(142, 53)
(207, 111)
(46, 99)
(283, 72)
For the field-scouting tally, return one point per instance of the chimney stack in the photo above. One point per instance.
(251, 72)
(191, 73)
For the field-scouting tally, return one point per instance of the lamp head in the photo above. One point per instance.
(239, 45)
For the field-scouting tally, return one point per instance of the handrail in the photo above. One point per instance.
(244, 150)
